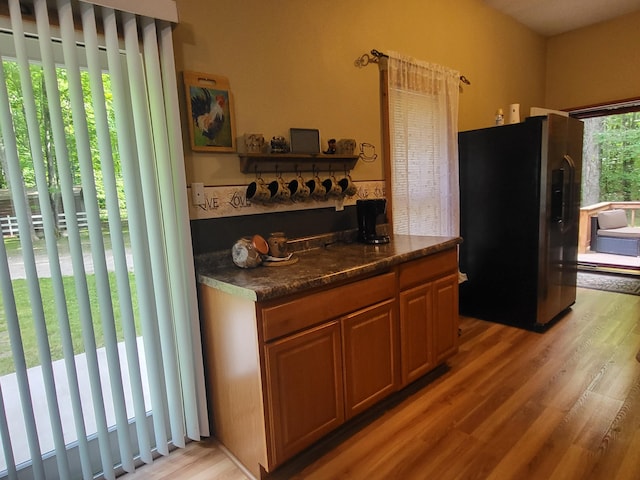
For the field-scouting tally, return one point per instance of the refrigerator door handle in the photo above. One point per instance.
(557, 195)
(561, 191)
(567, 210)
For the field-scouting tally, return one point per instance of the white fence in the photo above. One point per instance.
(10, 224)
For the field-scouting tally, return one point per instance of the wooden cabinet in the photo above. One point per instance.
(416, 312)
(283, 373)
(304, 386)
(370, 356)
(320, 348)
(428, 313)
(446, 319)
(320, 377)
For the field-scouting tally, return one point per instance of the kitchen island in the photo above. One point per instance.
(293, 352)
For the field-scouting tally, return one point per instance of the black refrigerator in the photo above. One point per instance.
(519, 211)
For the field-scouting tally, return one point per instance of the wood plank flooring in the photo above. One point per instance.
(511, 404)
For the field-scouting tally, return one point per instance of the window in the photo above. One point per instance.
(422, 125)
(611, 158)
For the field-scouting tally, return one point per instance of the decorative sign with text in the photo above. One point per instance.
(231, 201)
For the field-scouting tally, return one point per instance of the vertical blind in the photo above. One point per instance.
(98, 116)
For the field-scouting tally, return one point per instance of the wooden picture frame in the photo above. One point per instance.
(305, 140)
(210, 109)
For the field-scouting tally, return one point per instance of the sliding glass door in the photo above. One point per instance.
(98, 325)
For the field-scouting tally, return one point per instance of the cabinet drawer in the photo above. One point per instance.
(427, 268)
(285, 317)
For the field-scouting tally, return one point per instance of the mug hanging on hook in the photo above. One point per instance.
(299, 188)
(279, 189)
(316, 188)
(349, 188)
(258, 191)
(331, 186)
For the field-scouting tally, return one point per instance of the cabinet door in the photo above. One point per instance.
(446, 319)
(369, 338)
(304, 389)
(416, 312)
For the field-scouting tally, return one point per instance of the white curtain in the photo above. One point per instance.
(89, 120)
(423, 117)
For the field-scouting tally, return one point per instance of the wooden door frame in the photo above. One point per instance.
(386, 137)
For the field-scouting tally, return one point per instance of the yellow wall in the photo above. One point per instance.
(595, 65)
(291, 64)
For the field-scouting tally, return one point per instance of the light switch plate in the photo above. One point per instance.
(197, 194)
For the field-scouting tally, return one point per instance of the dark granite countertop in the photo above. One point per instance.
(336, 260)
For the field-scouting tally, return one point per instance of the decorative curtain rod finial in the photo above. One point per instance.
(364, 60)
(378, 54)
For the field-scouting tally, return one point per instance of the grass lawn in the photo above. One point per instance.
(27, 328)
(25, 316)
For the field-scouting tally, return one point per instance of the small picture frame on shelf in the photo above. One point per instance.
(210, 109)
(305, 140)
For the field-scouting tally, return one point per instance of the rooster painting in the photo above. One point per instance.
(209, 117)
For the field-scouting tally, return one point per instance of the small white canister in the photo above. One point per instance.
(514, 113)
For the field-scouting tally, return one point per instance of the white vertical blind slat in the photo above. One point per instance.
(13, 327)
(101, 274)
(115, 231)
(137, 229)
(146, 155)
(12, 473)
(188, 323)
(73, 233)
(165, 191)
(58, 287)
(23, 216)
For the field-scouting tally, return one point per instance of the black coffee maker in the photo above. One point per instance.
(368, 213)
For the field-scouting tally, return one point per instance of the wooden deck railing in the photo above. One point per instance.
(9, 225)
(584, 229)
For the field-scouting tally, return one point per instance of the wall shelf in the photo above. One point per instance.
(292, 162)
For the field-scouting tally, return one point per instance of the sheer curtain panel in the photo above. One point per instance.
(98, 309)
(423, 117)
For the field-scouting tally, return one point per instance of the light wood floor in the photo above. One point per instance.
(511, 405)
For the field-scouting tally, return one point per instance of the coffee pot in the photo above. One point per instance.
(368, 212)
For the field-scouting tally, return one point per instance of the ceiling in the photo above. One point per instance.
(552, 17)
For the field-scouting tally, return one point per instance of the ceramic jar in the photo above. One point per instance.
(278, 246)
(245, 254)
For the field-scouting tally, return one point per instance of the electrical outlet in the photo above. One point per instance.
(197, 194)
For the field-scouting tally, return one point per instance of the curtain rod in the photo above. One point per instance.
(375, 57)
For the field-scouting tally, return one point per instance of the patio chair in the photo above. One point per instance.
(610, 233)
